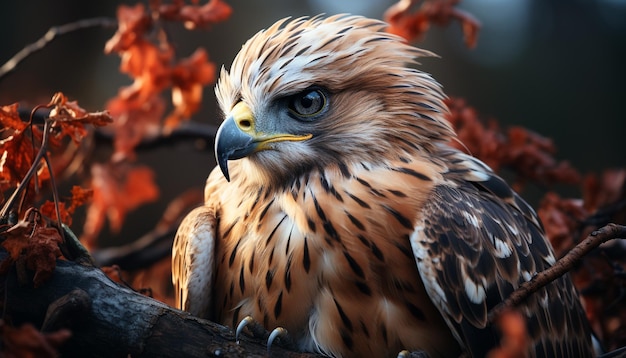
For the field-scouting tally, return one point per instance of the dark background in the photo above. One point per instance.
(556, 67)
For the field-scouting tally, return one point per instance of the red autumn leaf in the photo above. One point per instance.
(69, 111)
(514, 340)
(133, 22)
(607, 189)
(43, 252)
(561, 219)
(48, 209)
(114, 273)
(189, 77)
(134, 122)
(413, 25)
(10, 119)
(118, 189)
(150, 66)
(27, 341)
(80, 196)
(528, 154)
(212, 12)
(150, 61)
(71, 118)
(18, 147)
(34, 245)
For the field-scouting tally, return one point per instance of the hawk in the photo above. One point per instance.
(339, 212)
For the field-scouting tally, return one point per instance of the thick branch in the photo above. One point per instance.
(186, 132)
(108, 320)
(564, 265)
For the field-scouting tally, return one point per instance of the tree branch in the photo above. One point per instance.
(183, 133)
(108, 320)
(562, 266)
(49, 36)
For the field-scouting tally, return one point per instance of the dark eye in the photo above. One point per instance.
(307, 104)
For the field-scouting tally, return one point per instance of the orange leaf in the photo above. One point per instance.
(514, 341)
(43, 252)
(71, 118)
(10, 118)
(34, 245)
(134, 121)
(17, 152)
(189, 77)
(118, 189)
(80, 196)
(133, 23)
(48, 209)
(414, 25)
(210, 13)
(528, 154)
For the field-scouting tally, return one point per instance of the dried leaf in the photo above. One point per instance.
(10, 119)
(133, 22)
(413, 25)
(528, 154)
(214, 11)
(27, 341)
(18, 147)
(43, 252)
(48, 209)
(79, 197)
(561, 219)
(515, 340)
(189, 77)
(609, 188)
(118, 189)
(36, 246)
(114, 273)
(134, 122)
(150, 60)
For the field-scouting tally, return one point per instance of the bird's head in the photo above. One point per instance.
(321, 92)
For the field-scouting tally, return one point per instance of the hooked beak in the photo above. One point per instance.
(237, 137)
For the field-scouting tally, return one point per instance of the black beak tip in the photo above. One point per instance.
(222, 161)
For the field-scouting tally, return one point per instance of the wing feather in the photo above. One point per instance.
(193, 262)
(474, 244)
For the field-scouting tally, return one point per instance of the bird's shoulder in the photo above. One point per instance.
(475, 243)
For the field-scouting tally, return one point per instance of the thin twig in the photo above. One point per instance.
(593, 240)
(33, 169)
(50, 35)
(55, 195)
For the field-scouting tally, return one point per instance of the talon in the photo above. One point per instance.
(242, 324)
(280, 333)
(413, 354)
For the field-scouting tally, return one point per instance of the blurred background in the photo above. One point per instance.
(555, 67)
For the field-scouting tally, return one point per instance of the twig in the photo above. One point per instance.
(156, 244)
(50, 35)
(183, 133)
(595, 239)
(32, 171)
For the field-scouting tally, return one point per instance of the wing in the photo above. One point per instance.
(475, 243)
(193, 261)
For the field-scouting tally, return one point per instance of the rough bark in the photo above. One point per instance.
(109, 320)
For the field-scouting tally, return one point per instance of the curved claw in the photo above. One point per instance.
(242, 324)
(278, 332)
(413, 354)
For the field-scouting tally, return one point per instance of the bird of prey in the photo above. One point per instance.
(339, 212)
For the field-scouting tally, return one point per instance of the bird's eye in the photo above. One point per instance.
(308, 104)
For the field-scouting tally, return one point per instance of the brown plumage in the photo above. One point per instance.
(344, 216)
